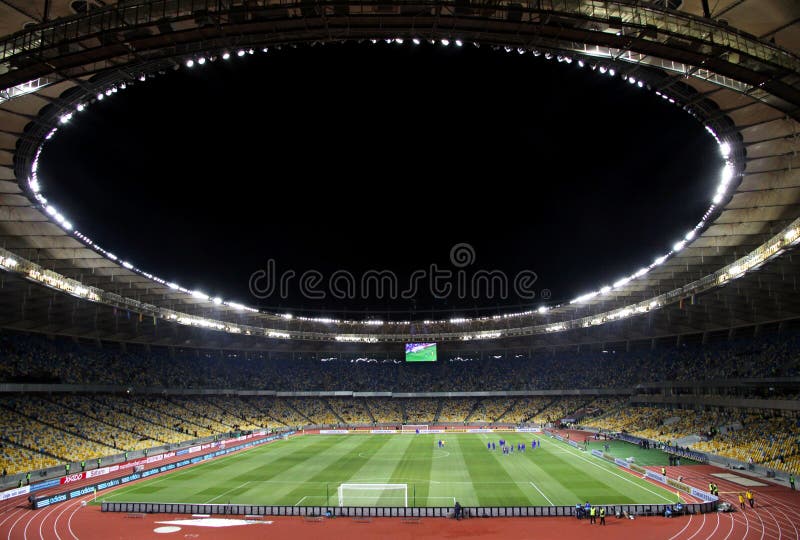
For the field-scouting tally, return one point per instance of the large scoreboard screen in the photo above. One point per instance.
(420, 352)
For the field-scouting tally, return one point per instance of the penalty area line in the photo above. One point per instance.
(542, 493)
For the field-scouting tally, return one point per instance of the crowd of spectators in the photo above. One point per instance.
(47, 429)
(29, 358)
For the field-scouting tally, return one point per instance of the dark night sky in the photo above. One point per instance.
(357, 157)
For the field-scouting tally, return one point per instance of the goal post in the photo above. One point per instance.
(412, 428)
(373, 495)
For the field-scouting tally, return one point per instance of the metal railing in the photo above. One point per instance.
(391, 511)
(609, 19)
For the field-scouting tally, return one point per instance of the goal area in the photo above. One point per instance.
(373, 495)
(405, 428)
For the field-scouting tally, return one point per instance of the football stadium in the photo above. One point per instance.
(172, 171)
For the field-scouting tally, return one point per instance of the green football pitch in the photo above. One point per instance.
(307, 470)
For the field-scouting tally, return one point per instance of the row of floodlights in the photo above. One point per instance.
(726, 181)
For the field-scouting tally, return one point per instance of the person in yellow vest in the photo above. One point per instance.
(663, 471)
(602, 516)
(750, 498)
(741, 500)
(592, 515)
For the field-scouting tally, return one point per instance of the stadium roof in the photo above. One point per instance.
(737, 70)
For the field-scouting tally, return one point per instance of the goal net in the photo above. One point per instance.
(373, 495)
(414, 427)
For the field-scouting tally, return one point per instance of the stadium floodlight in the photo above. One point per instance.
(621, 282)
(459, 43)
(605, 289)
(240, 52)
(717, 198)
(603, 69)
(288, 316)
(415, 41)
(217, 300)
(80, 107)
(640, 84)
(65, 118)
(583, 298)
(445, 42)
(108, 92)
(250, 51)
(520, 50)
(127, 265)
(67, 225)
(190, 63)
(612, 72)
(173, 286)
(641, 272)
(265, 49)
(727, 173)
(226, 55)
(201, 60)
(542, 310)
(725, 149)
(399, 41)
(660, 260)
(199, 295)
(631, 80)
(679, 245)
(689, 235)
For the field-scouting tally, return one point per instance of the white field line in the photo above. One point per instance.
(542, 493)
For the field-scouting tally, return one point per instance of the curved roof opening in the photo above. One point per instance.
(357, 157)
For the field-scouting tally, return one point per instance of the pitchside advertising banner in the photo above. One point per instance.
(528, 430)
(85, 490)
(15, 492)
(480, 431)
(333, 432)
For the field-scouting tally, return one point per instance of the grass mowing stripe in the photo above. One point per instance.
(569, 481)
(227, 492)
(543, 495)
(289, 485)
(344, 466)
(520, 467)
(452, 477)
(576, 453)
(488, 469)
(194, 485)
(416, 464)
